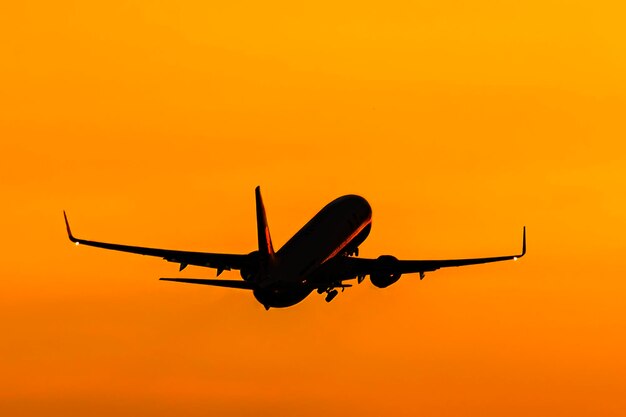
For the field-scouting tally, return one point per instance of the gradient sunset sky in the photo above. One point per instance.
(460, 121)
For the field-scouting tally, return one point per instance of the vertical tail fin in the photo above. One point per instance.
(266, 250)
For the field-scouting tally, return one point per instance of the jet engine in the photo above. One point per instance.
(251, 271)
(385, 279)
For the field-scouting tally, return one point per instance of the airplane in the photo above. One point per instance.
(319, 257)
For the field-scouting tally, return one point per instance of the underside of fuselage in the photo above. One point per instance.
(279, 296)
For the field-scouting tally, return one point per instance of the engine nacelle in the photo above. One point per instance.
(384, 280)
(251, 271)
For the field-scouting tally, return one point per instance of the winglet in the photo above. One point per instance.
(523, 243)
(69, 231)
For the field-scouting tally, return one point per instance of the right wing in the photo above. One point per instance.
(219, 261)
(344, 267)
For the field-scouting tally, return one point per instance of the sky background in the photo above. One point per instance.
(460, 121)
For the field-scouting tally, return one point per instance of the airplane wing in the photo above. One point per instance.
(354, 267)
(219, 261)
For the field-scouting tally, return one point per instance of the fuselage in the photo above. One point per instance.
(340, 226)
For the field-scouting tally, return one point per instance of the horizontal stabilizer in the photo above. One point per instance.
(244, 285)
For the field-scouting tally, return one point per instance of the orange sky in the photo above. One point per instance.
(459, 122)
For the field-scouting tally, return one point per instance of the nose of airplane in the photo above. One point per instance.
(361, 205)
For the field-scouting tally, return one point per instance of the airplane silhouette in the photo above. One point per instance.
(320, 256)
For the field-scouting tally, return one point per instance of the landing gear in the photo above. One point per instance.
(331, 291)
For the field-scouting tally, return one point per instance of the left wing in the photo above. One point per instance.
(219, 261)
(358, 267)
